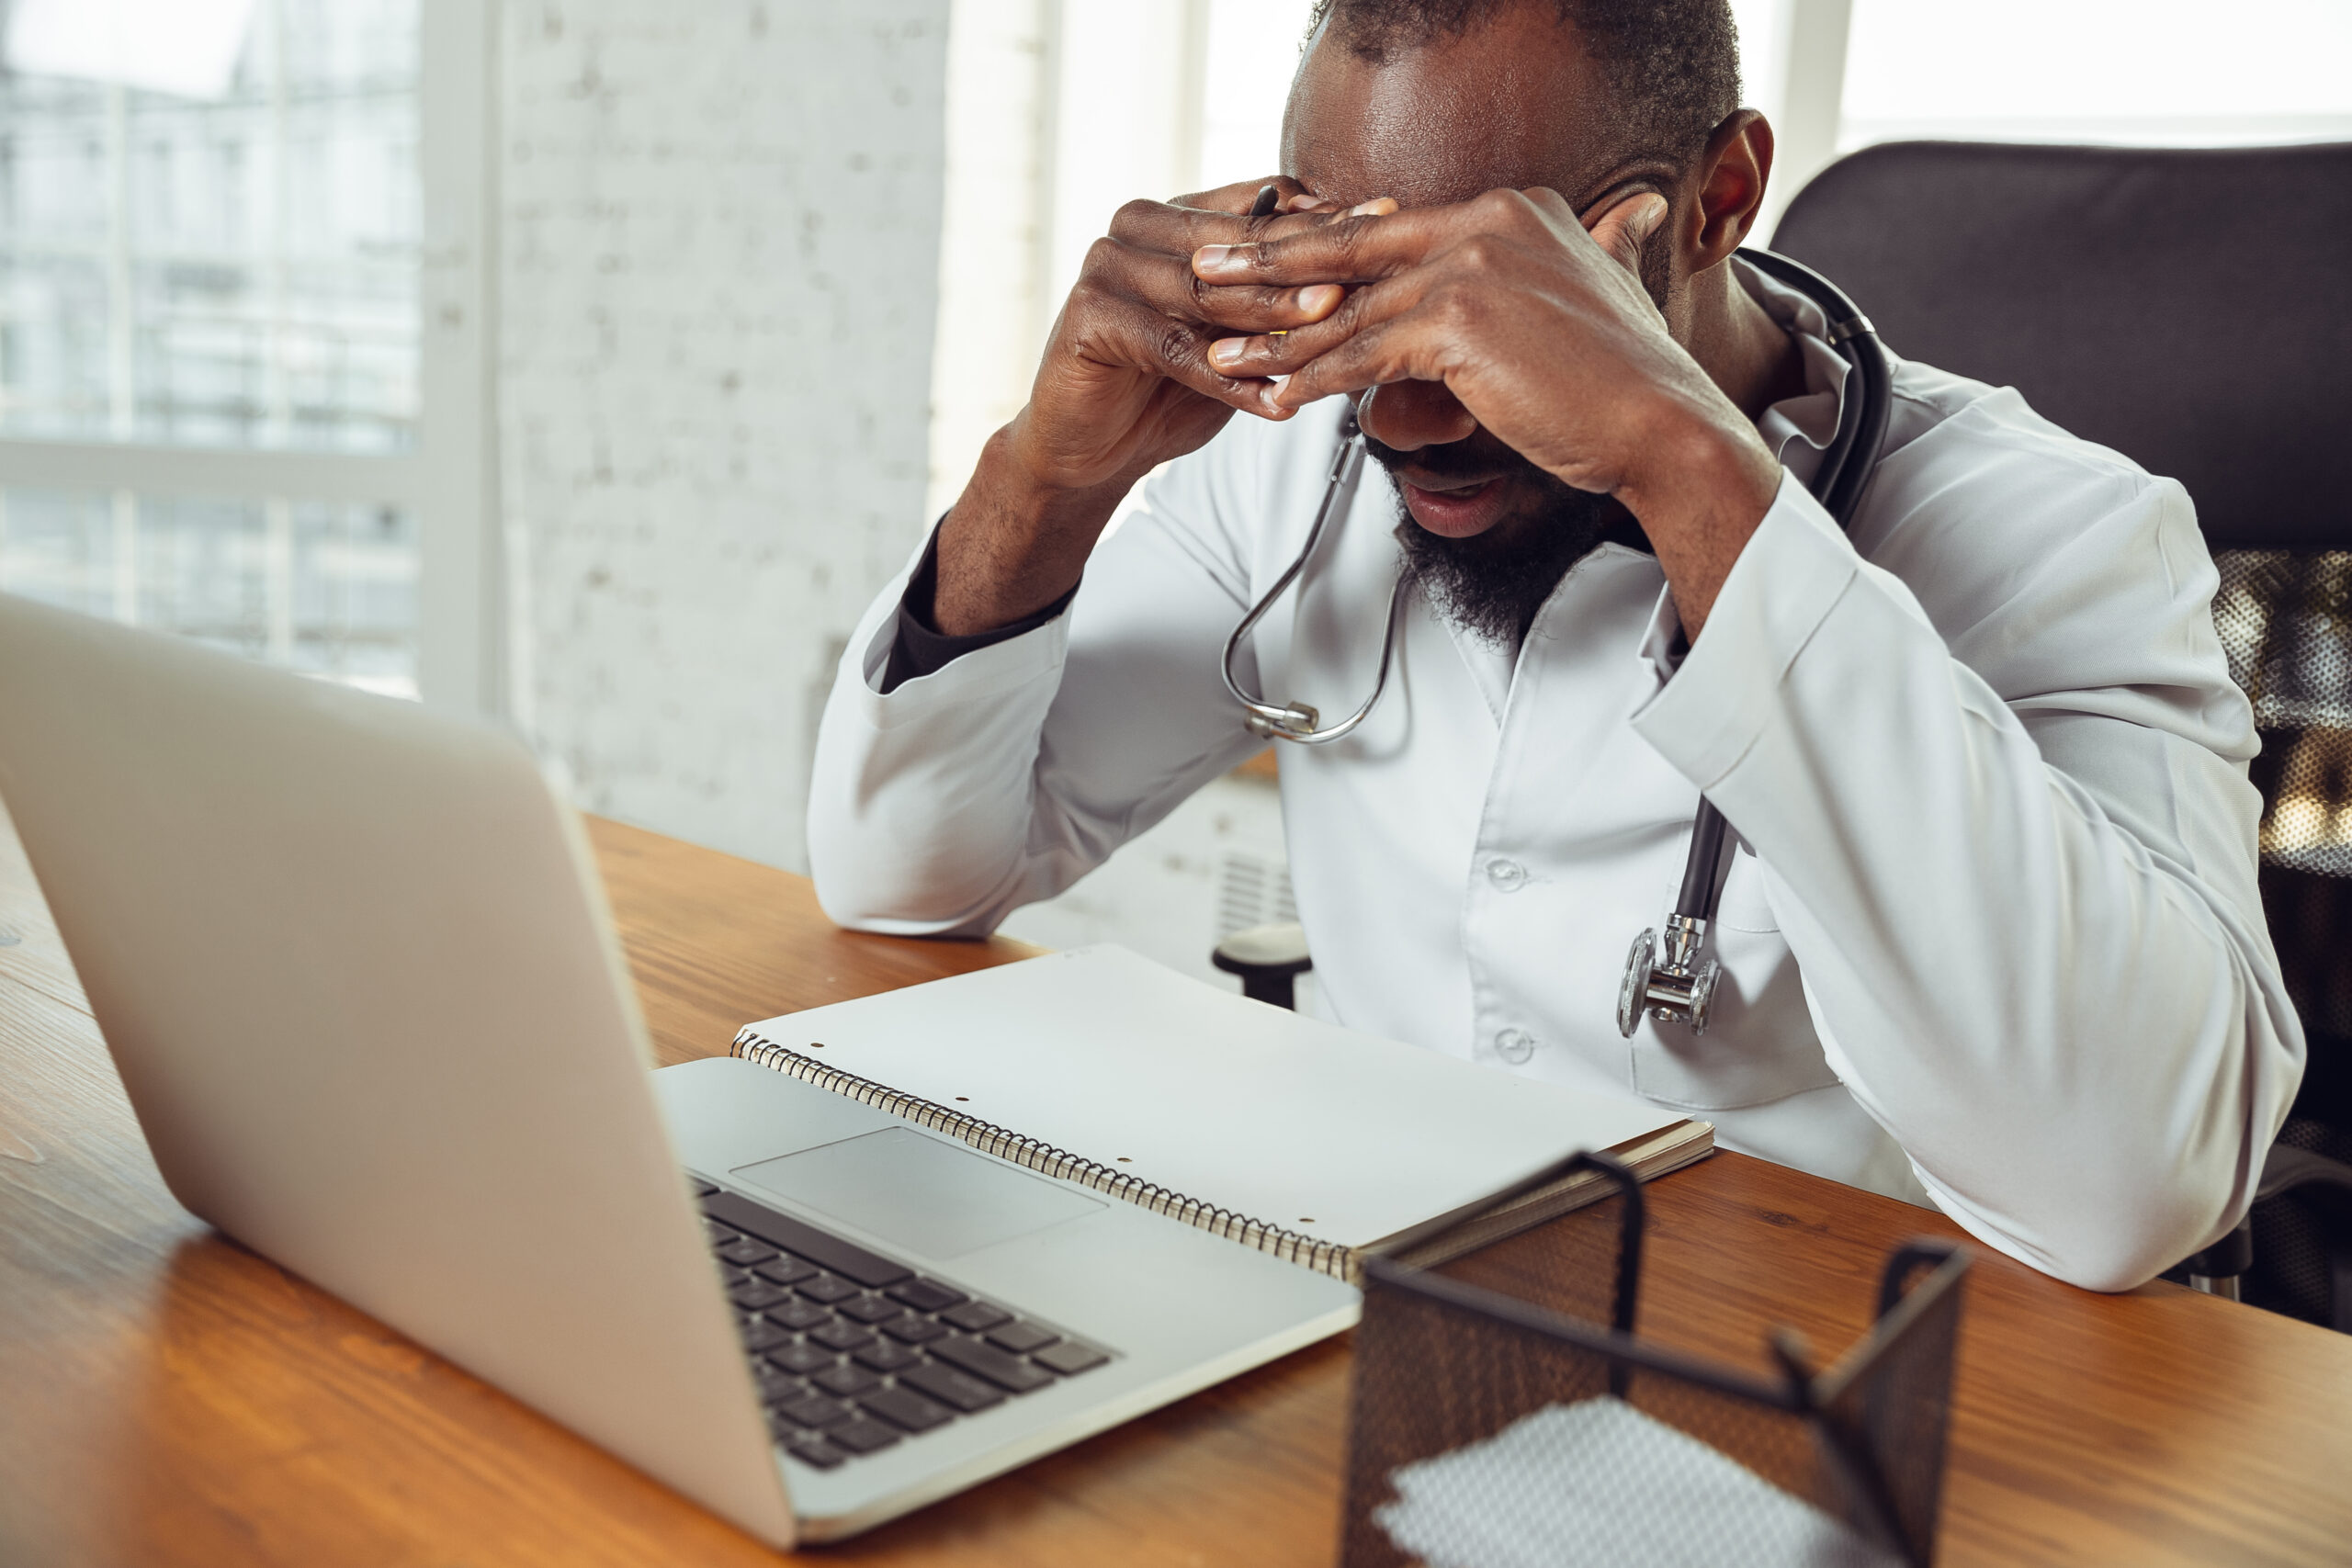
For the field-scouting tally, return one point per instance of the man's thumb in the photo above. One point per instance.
(1626, 227)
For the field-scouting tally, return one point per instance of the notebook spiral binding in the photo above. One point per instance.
(1292, 1246)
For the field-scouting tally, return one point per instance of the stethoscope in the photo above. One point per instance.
(1669, 981)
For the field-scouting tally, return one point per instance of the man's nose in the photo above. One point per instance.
(1406, 416)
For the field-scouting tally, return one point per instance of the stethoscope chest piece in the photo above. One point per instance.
(1300, 721)
(1668, 986)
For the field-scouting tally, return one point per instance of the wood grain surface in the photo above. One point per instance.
(168, 1398)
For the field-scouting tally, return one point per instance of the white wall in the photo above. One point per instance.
(720, 246)
(993, 307)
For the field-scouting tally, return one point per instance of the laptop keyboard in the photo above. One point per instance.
(854, 1353)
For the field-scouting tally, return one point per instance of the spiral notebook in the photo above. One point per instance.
(1314, 1143)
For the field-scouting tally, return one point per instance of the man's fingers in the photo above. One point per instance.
(1237, 197)
(1361, 243)
(1163, 282)
(1380, 353)
(1179, 230)
(1128, 334)
(1282, 352)
(1624, 228)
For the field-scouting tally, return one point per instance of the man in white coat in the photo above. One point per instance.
(1991, 938)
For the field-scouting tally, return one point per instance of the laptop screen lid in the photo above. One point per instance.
(353, 963)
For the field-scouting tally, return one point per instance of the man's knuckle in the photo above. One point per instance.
(1177, 344)
(1133, 214)
(1102, 257)
(1479, 254)
(1499, 206)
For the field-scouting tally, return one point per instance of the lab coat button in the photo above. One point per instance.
(1514, 1046)
(1506, 874)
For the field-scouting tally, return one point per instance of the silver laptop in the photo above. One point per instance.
(351, 960)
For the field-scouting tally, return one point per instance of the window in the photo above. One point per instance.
(241, 312)
(2181, 72)
(1839, 74)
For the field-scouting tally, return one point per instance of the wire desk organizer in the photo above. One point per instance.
(1505, 1413)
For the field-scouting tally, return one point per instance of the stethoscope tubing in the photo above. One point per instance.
(1838, 483)
(1296, 721)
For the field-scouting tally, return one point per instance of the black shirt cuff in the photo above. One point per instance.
(920, 648)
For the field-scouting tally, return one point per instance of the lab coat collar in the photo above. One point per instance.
(1798, 430)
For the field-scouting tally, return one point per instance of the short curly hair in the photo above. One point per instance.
(1673, 65)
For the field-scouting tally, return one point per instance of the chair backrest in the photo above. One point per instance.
(2186, 307)
(2183, 306)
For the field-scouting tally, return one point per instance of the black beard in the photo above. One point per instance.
(1492, 584)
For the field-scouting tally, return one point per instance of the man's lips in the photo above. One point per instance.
(1454, 510)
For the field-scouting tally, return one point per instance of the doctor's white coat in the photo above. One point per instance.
(1992, 936)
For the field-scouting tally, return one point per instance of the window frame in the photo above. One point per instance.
(448, 481)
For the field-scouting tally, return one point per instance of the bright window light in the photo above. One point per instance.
(185, 47)
(2155, 71)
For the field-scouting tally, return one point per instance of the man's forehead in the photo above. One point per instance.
(1512, 103)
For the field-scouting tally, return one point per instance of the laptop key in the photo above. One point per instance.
(781, 1230)
(826, 1287)
(720, 1235)
(870, 1309)
(912, 1330)
(801, 1357)
(813, 1451)
(1070, 1358)
(974, 1317)
(983, 1359)
(845, 1380)
(743, 1252)
(884, 1356)
(701, 1188)
(760, 1335)
(1020, 1337)
(904, 1408)
(785, 1270)
(758, 1295)
(776, 1385)
(839, 1336)
(862, 1436)
(927, 1295)
(951, 1387)
(814, 1410)
(797, 1316)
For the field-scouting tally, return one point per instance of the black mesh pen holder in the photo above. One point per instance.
(1504, 1413)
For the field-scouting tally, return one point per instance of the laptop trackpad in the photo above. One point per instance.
(919, 1192)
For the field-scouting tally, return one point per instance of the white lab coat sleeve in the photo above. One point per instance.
(938, 808)
(2013, 858)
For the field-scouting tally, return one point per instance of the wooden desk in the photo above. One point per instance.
(167, 1398)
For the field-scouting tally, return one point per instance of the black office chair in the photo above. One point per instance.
(2187, 308)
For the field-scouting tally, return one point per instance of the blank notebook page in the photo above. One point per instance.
(1302, 1124)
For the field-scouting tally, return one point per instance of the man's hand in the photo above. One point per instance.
(1125, 385)
(1544, 335)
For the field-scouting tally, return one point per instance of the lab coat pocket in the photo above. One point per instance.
(1759, 1045)
(1743, 906)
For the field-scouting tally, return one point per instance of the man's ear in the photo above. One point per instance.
(1732, 172)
